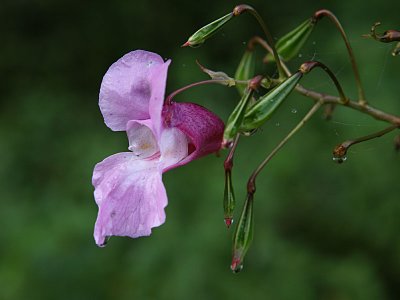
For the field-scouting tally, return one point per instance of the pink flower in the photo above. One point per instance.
(128, 185)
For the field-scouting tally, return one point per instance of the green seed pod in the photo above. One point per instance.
(229, 199)
(201, 35)
(243, 235)
(290, 44)
(236, 118)
(245, 70)
(263, 109)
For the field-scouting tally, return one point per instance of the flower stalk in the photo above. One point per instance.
(251, 184)
(326, 13)
(310, 65)
(168, 99)
(238, 10)
(340, 151)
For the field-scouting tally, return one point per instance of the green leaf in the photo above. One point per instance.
(201, 35)
(290, 44)
(245, 70)
(263, 109)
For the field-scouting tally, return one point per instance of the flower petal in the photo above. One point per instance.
(130, 195)
(126, 88)
(173, 147)
(142, 141)
(158, 83)
(203, 128)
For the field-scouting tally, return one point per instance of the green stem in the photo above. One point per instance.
(251, 182)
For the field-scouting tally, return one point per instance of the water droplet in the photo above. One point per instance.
(236, 268)
(294, 111)
(300, 55)
(314, 43)
(244, 43)
(340, 160)
(184, 65)
(277, 124)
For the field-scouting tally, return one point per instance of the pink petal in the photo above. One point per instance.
(127, 87)
(158, 83)
(203, 129)
(130, 195)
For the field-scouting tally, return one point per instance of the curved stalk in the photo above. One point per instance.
(251, 184)
(243, 8)
(309, 65)
(326, 13)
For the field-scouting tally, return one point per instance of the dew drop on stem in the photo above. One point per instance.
(339, 160)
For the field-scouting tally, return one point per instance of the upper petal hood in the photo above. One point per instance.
(203, 128)
(131, 86)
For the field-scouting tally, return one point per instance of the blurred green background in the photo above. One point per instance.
(323, 231)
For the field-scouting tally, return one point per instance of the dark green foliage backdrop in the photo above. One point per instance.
(323, 231)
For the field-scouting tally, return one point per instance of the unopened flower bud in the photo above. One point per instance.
(229, 198)
(263, 109)
(243, 235)
(236, 118)
(290, 44)
(201, 35)
(245, 69)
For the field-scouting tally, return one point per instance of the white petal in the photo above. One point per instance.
(173, 146)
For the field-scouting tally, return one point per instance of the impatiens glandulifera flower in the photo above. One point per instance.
(128, 186)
